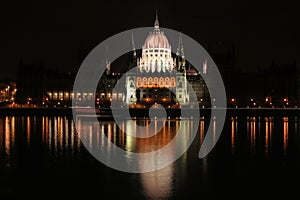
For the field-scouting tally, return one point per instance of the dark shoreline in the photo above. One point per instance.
(143, 112)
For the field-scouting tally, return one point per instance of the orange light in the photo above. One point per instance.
(232, 100)
(267, 99)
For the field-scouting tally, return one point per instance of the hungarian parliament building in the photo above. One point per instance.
(155, 75)
(158, 77)
(158, 72)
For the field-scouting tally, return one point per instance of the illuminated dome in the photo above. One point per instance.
(156, 53)
(157, 39)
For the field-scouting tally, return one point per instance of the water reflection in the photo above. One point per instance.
(28, 132)
(265, 137)
(8, 138)
(263, 133)
(233, 133)
(201, 129)
(158, 184)
(94, 133)
(269, 125)
(285, 134)
(108, 136)
(59, 135)
(253, 123)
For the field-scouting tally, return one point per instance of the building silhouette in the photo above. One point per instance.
(30, 84)
(153, 72)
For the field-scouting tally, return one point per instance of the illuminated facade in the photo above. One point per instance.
(158, 72)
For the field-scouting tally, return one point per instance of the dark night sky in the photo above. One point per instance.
(55, 30)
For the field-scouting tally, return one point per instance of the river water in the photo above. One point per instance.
(43, 157)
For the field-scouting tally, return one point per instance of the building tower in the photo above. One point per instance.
(157, 72)
(107, 63)
(181, 83)
(130, 81)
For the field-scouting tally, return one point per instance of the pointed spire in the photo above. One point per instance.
(180, 49)
(107, 62)
(133, 44)
(204, 66)
(180, 55)
(156, 23)
(106, 55)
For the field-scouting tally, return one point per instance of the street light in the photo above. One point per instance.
(286, 101)
(7, 93)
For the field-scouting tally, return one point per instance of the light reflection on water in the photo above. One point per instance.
(269, 124)
(285, 134)
(57, 135)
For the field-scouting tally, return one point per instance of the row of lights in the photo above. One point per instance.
(268, 100)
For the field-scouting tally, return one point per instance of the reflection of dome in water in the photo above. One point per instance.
(156, 39)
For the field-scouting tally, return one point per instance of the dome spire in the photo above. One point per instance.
(180, 49)
(133, 44)
(156, 23)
